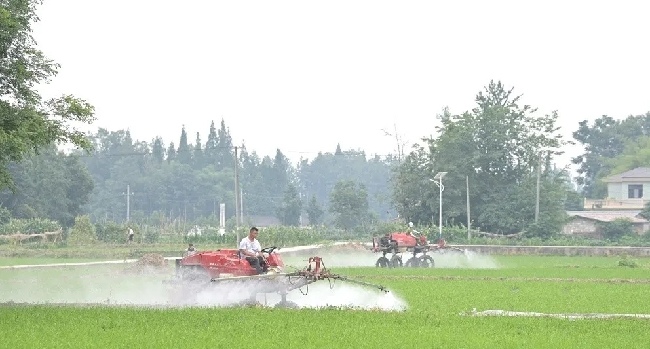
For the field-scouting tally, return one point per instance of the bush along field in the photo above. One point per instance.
(560, 302)
(38, 238)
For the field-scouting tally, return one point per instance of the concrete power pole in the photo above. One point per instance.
(469, 222)
(539, 172)
(128, 202)
(237, 193)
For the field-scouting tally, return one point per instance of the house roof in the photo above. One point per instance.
(635, 174)
(608, 216)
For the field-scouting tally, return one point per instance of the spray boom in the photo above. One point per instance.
(316, 271)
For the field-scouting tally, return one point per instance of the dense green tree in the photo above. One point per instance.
(349, 204)
(604, 140)
(256, 195)
(319, 176)
(27, 122)
(211, 145)
(314, 211)
(158, 150)
(574, 201)
(197, 154)
(413, 194)
(224, 153)
(291, 207)
(275, 176)
(171, 153)
(184, 154)
(281, 171)
(5, 215)
(50, 184)
(497, 147)
(635, 153)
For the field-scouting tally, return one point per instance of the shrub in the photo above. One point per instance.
(82, 232)
(151, 235)
(625, 262)
(616, 229)
(5, 215)
(30, 226)
(111, 232)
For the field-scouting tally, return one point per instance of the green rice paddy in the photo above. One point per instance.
(438, 313)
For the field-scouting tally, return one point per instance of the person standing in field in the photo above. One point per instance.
(130, 235)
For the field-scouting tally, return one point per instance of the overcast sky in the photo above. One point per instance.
(303, 76)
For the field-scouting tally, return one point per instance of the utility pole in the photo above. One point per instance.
(236, 195)
(300, 214)
(237, 190)
(241, 204)
(437, 179)
(469, 222)
(128, 202)
(539, 171)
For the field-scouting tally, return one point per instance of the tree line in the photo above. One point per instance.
(189, 181)
(498, 156)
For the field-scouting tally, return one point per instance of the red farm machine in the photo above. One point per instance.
(224, 267)
(393, 245)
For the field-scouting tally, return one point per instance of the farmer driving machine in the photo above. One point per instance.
(406, 242)
(224, 267)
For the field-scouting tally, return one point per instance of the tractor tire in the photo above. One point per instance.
(413, 262)
(382, 262)
(426, 262)
(395, 262)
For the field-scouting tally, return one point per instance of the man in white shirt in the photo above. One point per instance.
(251, 249)
(130, 235)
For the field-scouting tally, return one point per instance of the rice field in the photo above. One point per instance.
(118, 306)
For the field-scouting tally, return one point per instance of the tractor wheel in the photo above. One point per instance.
(382, 262)
(426, 262)
(413, 262)
(395, 262)
(287, 305)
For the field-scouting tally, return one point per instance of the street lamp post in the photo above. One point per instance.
(437, 179)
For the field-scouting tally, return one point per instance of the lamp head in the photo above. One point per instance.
(439, 175)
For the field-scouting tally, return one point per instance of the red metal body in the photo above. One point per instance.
(400, 242)
(226, 261)
(211, 268)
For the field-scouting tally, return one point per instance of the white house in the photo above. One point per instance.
(625, 191)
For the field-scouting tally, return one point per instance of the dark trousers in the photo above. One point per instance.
(257, 263)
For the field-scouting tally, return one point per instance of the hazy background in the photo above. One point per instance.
(304, 76)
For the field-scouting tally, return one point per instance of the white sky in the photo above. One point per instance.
(303, 76)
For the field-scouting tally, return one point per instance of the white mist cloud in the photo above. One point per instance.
(119, 284)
